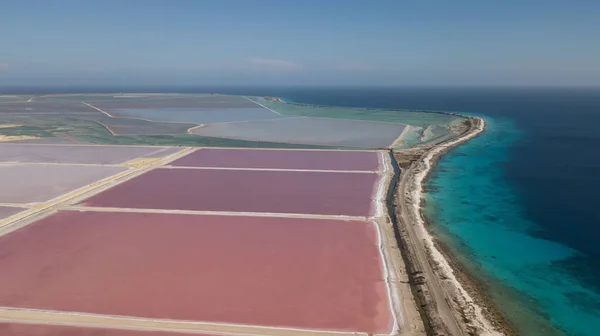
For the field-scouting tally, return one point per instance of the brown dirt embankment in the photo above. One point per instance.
(6, 138)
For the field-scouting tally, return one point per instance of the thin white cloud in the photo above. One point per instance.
(275, 64)
(354, 66)
(4, 66)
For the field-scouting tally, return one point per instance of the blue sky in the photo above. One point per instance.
(266, 42)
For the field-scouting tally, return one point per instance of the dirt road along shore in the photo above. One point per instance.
(447, 307)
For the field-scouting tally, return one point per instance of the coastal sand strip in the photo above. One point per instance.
(124, 322)
(277, 169)
(444, 320)
(19, 220)
(470, 307)
(216, 213)
(411, 193)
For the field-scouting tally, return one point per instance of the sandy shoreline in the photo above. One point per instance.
(451, 302)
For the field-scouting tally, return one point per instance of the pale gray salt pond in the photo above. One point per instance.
(45, 107)
(9, 211)
(309, 131)
(26, 153)
(22, 183)
(202, 102)
(47, 141)
(128, 126)
(198, 115)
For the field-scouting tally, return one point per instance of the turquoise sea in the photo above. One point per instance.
(517, 206)
(481, 217)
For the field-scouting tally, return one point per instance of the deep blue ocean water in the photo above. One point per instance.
(519, 205)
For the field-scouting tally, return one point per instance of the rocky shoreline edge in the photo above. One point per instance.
(451, 301)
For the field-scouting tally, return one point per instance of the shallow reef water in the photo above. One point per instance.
(480, 217)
